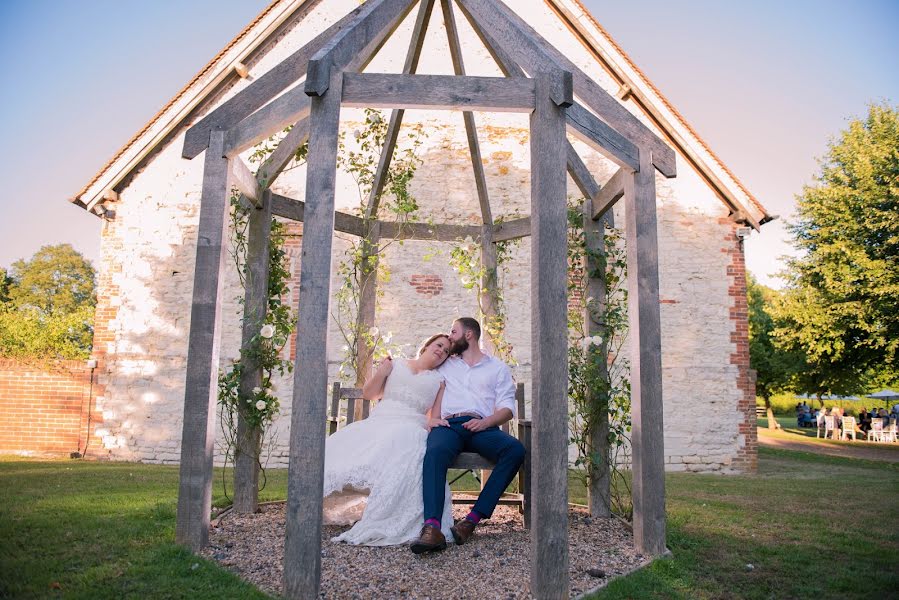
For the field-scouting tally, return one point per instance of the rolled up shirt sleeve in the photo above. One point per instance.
(505, 390)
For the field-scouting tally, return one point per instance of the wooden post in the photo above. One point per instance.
(598, 490)
(549, 340)
(201, 386)
(647, 440)
(302, 545)
(247, 446)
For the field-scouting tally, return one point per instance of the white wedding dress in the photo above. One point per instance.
(373, 467)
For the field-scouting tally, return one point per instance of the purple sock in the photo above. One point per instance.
(474, 517)
(433, 523)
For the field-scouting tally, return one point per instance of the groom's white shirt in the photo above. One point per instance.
(484, 388)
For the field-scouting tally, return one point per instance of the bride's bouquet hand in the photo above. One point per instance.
(432, 423)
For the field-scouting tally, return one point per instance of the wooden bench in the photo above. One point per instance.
(350, 403)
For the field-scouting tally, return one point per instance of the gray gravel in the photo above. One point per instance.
(494, 564)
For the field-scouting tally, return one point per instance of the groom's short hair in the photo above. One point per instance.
(471, 325)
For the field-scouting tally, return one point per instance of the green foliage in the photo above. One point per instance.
(360, 158)
(262, 405)
(598, 378)
(47, 306)
(774, 367)
(56, 280)
(841, 309)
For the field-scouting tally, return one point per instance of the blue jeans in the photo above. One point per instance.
(445, 444)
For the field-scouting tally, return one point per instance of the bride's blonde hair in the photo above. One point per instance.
(430, 341)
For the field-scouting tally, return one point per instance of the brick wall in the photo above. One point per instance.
(44, 408)
(746, 458)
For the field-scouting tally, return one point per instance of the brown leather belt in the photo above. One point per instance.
(465, 414)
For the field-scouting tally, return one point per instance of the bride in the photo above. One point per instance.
(373, 467)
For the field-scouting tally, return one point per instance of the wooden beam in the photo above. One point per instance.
(396, 116)
(549, 340)
(255, 305)
(599, 136)
(201, 387)
(240, 176)
(302, 545)
(526, 47)
(610, 193)
(510, 230)
(644, 330)
(354, 45)
(285, 110)
(295, 210)
(267, 86)
(427, 231)
(599, 486)
(439, 92)
(581, 174)
(283, 153)
(576, 166)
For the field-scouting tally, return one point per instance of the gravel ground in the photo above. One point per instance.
(494, 564)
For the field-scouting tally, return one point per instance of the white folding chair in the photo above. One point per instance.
(876, 432)
(889, 432)
(829, 427)
(848, 428)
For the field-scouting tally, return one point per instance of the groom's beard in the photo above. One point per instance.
(459, 346)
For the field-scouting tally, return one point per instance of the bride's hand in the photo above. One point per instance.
(385, 366)
(432, 423)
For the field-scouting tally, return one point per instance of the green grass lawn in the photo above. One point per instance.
(807, 523)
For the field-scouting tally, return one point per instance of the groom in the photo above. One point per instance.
(479, 397)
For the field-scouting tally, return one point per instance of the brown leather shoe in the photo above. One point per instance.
(430, 539)
(462, 531)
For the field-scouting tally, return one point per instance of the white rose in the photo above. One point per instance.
(260, 405)
(388, 337)
(357, 134)
(267, 331)
(345, 348)
(257, 390)
(376, 118)
(585, 343)
(374, 331)
(597, 340)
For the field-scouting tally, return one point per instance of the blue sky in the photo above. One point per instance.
(765, 83)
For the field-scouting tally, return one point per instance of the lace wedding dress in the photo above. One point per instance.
(373, 467)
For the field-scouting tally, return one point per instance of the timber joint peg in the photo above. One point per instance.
(562, 88)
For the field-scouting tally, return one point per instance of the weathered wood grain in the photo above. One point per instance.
(526, 47)
(201, 386)
(647, 439)
(438, 92)
(246, 459)
(295, 210)
(510, 230)
(585, 126)
(283, 153)
(261, 91)
(599, 488)
(240, 176)
(580, 174)
(444, 232)
(549, 333)
(302, 546)
(284, 110)
(353, 46)
(611, 192)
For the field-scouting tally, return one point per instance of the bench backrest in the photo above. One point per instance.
(353, 396)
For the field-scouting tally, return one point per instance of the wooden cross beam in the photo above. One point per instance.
(354, 45)
(441, 92)
(611, 192)
(267, 86)
(525, 46)
(240, 176)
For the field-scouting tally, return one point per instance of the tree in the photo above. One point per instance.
(773, 366)
(57, 280)
(47, 306)
(842, 305)
(5, 284)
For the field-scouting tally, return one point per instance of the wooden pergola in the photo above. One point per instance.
(560, 99)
